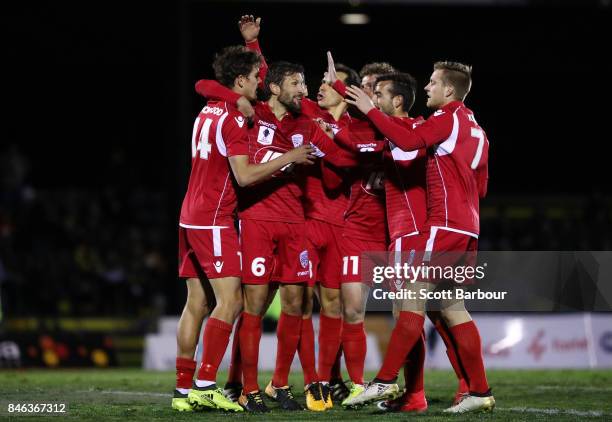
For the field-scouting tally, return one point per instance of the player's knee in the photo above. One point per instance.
(332, 309)
(353, 315)
(292, 305)
(254, 304)
(198, 307)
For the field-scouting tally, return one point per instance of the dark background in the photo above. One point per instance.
(98, 106)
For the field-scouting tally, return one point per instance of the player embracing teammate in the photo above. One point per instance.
(456, 178)
(434, 173)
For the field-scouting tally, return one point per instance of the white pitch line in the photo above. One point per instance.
(554, 411)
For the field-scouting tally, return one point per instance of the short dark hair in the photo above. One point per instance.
(458, 75)
(403, 84)
(376, 68)
(352, 77)
(277, 72)
(234, 61)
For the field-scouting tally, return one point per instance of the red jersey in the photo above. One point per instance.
(321, 203)
(457, 169)
(219, 132)
(365, 214)
(405, 186)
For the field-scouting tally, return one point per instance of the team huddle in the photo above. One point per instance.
(286, 194)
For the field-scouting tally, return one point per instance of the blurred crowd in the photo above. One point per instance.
(111, 251)
(78, 252)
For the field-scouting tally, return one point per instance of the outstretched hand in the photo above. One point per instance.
(330, 76)
(357, 97)
(249, 27)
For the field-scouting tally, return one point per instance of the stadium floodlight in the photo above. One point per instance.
(354, 19)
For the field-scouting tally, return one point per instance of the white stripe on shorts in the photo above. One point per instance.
(216, 232)
(430, 243)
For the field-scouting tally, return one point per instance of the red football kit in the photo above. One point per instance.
(456, 176)
(365, 228)
(280, 253)
(208, 243)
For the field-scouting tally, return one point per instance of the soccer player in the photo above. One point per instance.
(324, 210)
(272, 228)
(456, 175)
(394, 94)
(406, 206)
(208, 243)
(370, 72)
(405, 200)
(364, 230)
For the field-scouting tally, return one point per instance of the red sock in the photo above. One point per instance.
(413, 369)
(184, 372)
(329, 345)
(405, 335)
(216, 338)
(235, 369)
(306, 352)
(250, 336)
(336, 371)
(288, 335)
(451, 352)
(355, 347)
(469, 348)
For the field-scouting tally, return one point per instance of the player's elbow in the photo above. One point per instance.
(243, 181)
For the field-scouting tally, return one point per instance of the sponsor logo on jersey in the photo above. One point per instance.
(218, 266)
(366, 147)
(270, 125)
(265, 135)
(212, 110)
(304, 259)
(438, 113)
(297, 139)
(239, 120)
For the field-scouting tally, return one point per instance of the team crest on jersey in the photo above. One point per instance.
(297, 139)
(239, 120)
(304, 259)
(265, 135)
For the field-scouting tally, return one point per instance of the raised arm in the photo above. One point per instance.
(215, 91)
(249, 29)
(435, 129)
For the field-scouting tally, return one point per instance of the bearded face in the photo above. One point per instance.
(292, 91)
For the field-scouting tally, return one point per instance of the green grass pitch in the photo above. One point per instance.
(132, 394)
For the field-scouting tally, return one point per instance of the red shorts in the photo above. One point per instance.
(447, 247)
(209, 252)
(357, 265)
(273, 251)
(406, 249)
(324, 252)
